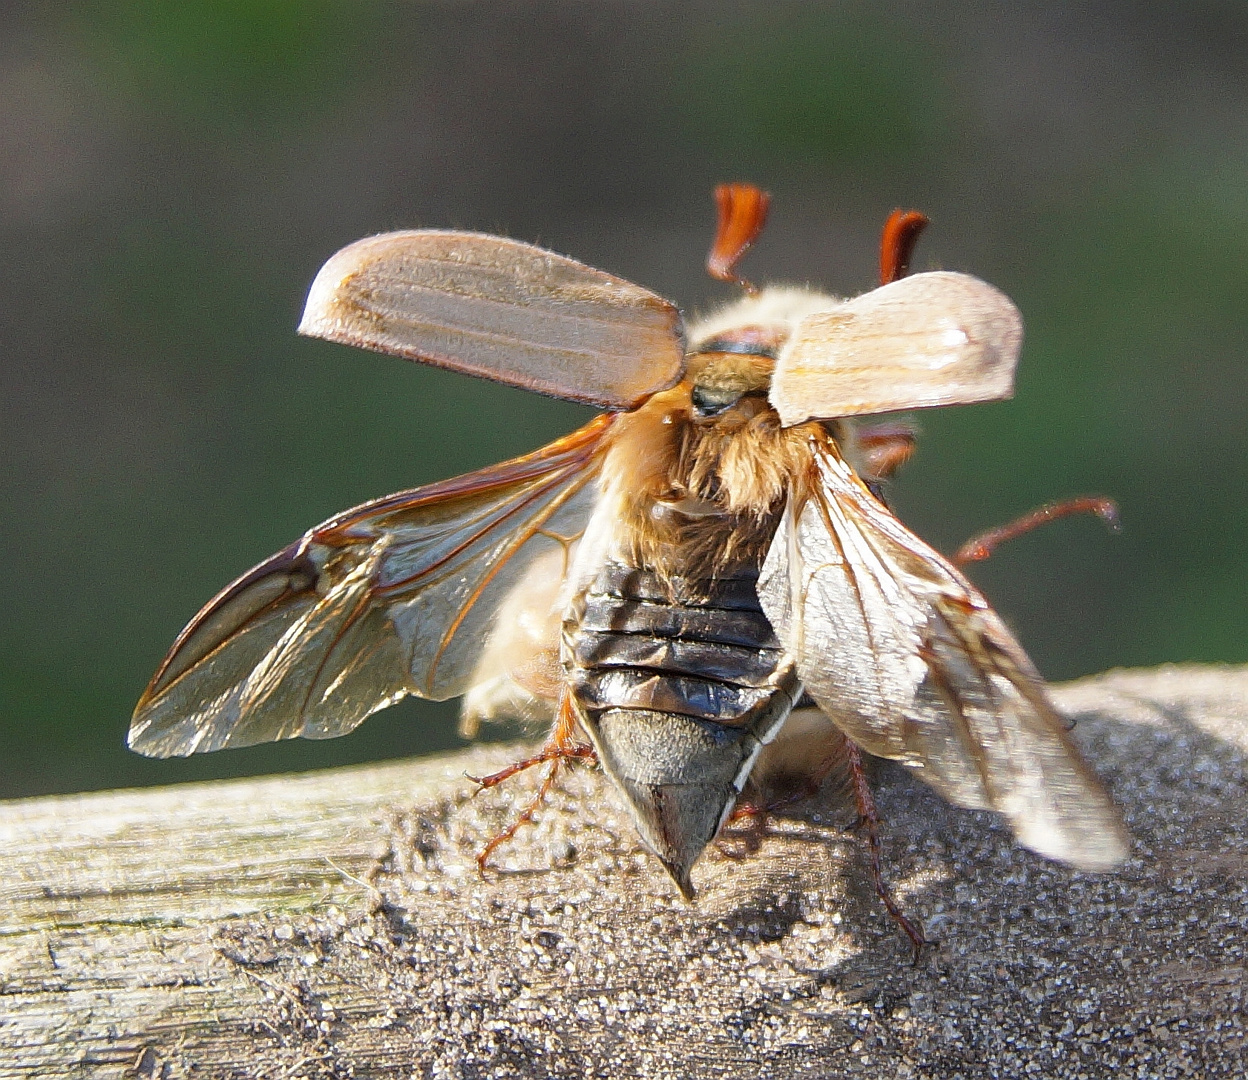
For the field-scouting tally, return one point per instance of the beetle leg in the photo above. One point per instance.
(549, 752)
(983, 544)
(757, 810)
(560, 747)
(525, 816)
(868, 822)
(753, 810)
(758, 803)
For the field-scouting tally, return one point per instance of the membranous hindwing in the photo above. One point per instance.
(909, 660)
(392, 598)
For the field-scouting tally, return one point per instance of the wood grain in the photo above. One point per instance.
(334, 925)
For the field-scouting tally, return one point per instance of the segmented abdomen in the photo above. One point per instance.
(698, 649)
(678, 687)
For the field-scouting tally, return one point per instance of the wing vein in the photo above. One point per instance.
(906, 657)
(523, 538)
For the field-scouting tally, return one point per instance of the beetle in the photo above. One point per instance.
(692, 577)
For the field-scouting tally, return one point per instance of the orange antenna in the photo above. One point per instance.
(901, 233)
(742, 215)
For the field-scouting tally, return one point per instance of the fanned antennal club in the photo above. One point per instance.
(742, 215)
(901, 233)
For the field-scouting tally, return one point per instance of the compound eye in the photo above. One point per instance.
(713, 400)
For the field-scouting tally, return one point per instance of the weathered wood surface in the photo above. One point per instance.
(333, 925)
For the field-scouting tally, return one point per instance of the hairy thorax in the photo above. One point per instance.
(698, 494)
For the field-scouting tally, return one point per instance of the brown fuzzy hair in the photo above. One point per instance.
(700, 495)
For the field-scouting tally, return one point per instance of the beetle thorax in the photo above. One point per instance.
(698, 473)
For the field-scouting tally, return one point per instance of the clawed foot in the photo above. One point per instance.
(554, 754)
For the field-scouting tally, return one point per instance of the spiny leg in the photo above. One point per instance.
(984, 544)
(753, 809)
(868, 821)
(549, 752)
(561, 746)
(525, 816)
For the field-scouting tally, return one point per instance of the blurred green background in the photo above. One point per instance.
(173, 173)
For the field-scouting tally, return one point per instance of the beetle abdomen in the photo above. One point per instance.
(679, 684)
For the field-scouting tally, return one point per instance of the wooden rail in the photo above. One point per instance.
(334, 925)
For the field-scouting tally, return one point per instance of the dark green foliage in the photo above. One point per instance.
(172, 174)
